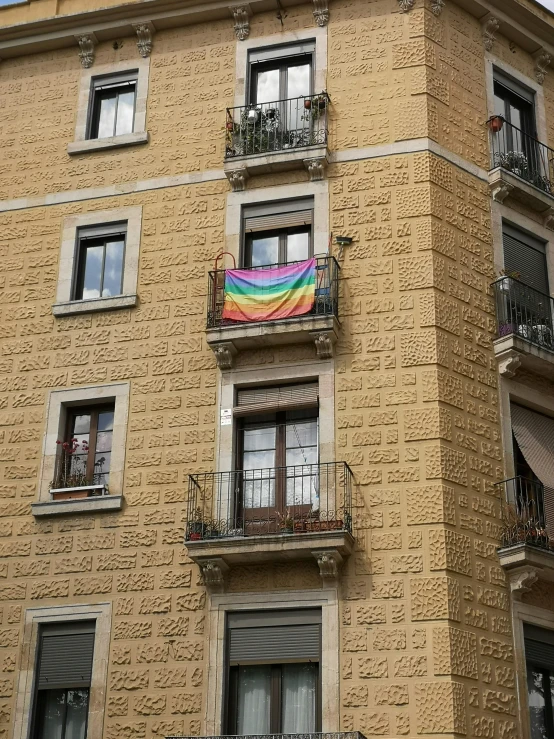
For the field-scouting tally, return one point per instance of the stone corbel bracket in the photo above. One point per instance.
(237, 179)
(321, 12)
(406, 5)
(324, 343)
(214, 572)
(316, 168)
(548, 219)
(329, 564)
(224, 355)
(437, 6)
(509, 364)
(522, 581)
(490, 26)
(500, 191)
(241, 15)
(87, 43)
(542, 61)
(145, 34)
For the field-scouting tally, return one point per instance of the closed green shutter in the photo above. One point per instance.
(65, 656)
(527, 256)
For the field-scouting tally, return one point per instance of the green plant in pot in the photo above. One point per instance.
(196, 526)
(258, 130)
(286, 522)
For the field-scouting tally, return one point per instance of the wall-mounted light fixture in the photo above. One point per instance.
(342, 241)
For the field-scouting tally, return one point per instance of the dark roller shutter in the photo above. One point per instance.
(274, 636)
(272, 399)
(539, 646)
(269, 53)
(65, 659)
(527, 256)
(283, 214)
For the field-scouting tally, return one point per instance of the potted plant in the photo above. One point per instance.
(72, 480)
(196, 526)
(495, 123)
(286, 522)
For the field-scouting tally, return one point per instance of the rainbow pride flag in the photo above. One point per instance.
(269, 294)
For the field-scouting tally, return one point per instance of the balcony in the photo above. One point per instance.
(321, 324)
(270, 515)
(525, 330)
(277, 136)
(522, 168)
(527, 549)
(311, 735)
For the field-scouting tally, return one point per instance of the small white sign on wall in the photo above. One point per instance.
(226, 416)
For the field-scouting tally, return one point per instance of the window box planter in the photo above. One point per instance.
(90, 491)
(334, 525)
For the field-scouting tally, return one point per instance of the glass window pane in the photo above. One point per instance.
(298, 247)
(105, 421)
(113, 269)
(299, 699)
(104, 441)
(515, 116)
(537, 717)
(51, 714)
(265, 251)
(260, 438)
(258, 460)
(106, 118)
(253, 700)
(298, 80)
(102, 462)
(77, 710)
(125, 112)
(301, 434)
(92, 272)
(81, 424)
(499, 106)
(267, 86)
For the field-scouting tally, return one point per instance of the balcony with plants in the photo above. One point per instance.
(526, 539)
(273, 305)
(525, 327)
(521, 167)
(77, 473)
(277, 136)
(270, 515)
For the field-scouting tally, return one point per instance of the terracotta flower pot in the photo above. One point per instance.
(307, 104)
(496, 123)
(230, 125)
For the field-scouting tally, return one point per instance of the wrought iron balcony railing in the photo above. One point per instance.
(523, 519)
(524, 312)
(521, 154)
(266, 128)
(282, 500)
(326, 302)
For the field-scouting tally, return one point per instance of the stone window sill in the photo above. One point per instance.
(78, 505)
(112, 142)
(92, 306)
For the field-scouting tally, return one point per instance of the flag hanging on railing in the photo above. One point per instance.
(269, 294)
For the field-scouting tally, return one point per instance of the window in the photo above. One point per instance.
(101, 253)
(63, 682)
(112, 105)
(274, 672)
(514, 102)
(539, 656)
(86, 451)
(278, 233)
(278, 452)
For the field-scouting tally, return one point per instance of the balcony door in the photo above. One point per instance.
(278, 233)
(516, 142)
(280, 80)
(278, 454)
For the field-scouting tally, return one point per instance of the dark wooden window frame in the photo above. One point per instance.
(94, 411)
(283, 235)
(281, 58)
(39, 708)
(104, 86)
(97, 236)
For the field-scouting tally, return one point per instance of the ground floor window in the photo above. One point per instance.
(539, 656)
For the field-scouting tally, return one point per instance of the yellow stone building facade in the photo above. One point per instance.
(418, 190)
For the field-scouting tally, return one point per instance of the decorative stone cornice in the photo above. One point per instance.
(437, 6)
(145, 33)
(406, 5)
(87, 42)
(213, 572)
(542, 61)
(321, 12)
(224, 354)
(316, 168)
(237, 179)
(329, 564)
(500, 191)
(522, 581)
(490, 26)
(242, 21)
(509, 364)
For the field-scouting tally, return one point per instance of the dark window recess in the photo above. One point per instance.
(274, 673)
(527, 256)
(539, 655)
(515, 103)
(100, 260)
(112, 111)
(64, 673)
(85, 454)
(278, 233)
(281, 73)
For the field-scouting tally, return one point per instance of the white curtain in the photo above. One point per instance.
(254, 700)
(299, 698)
